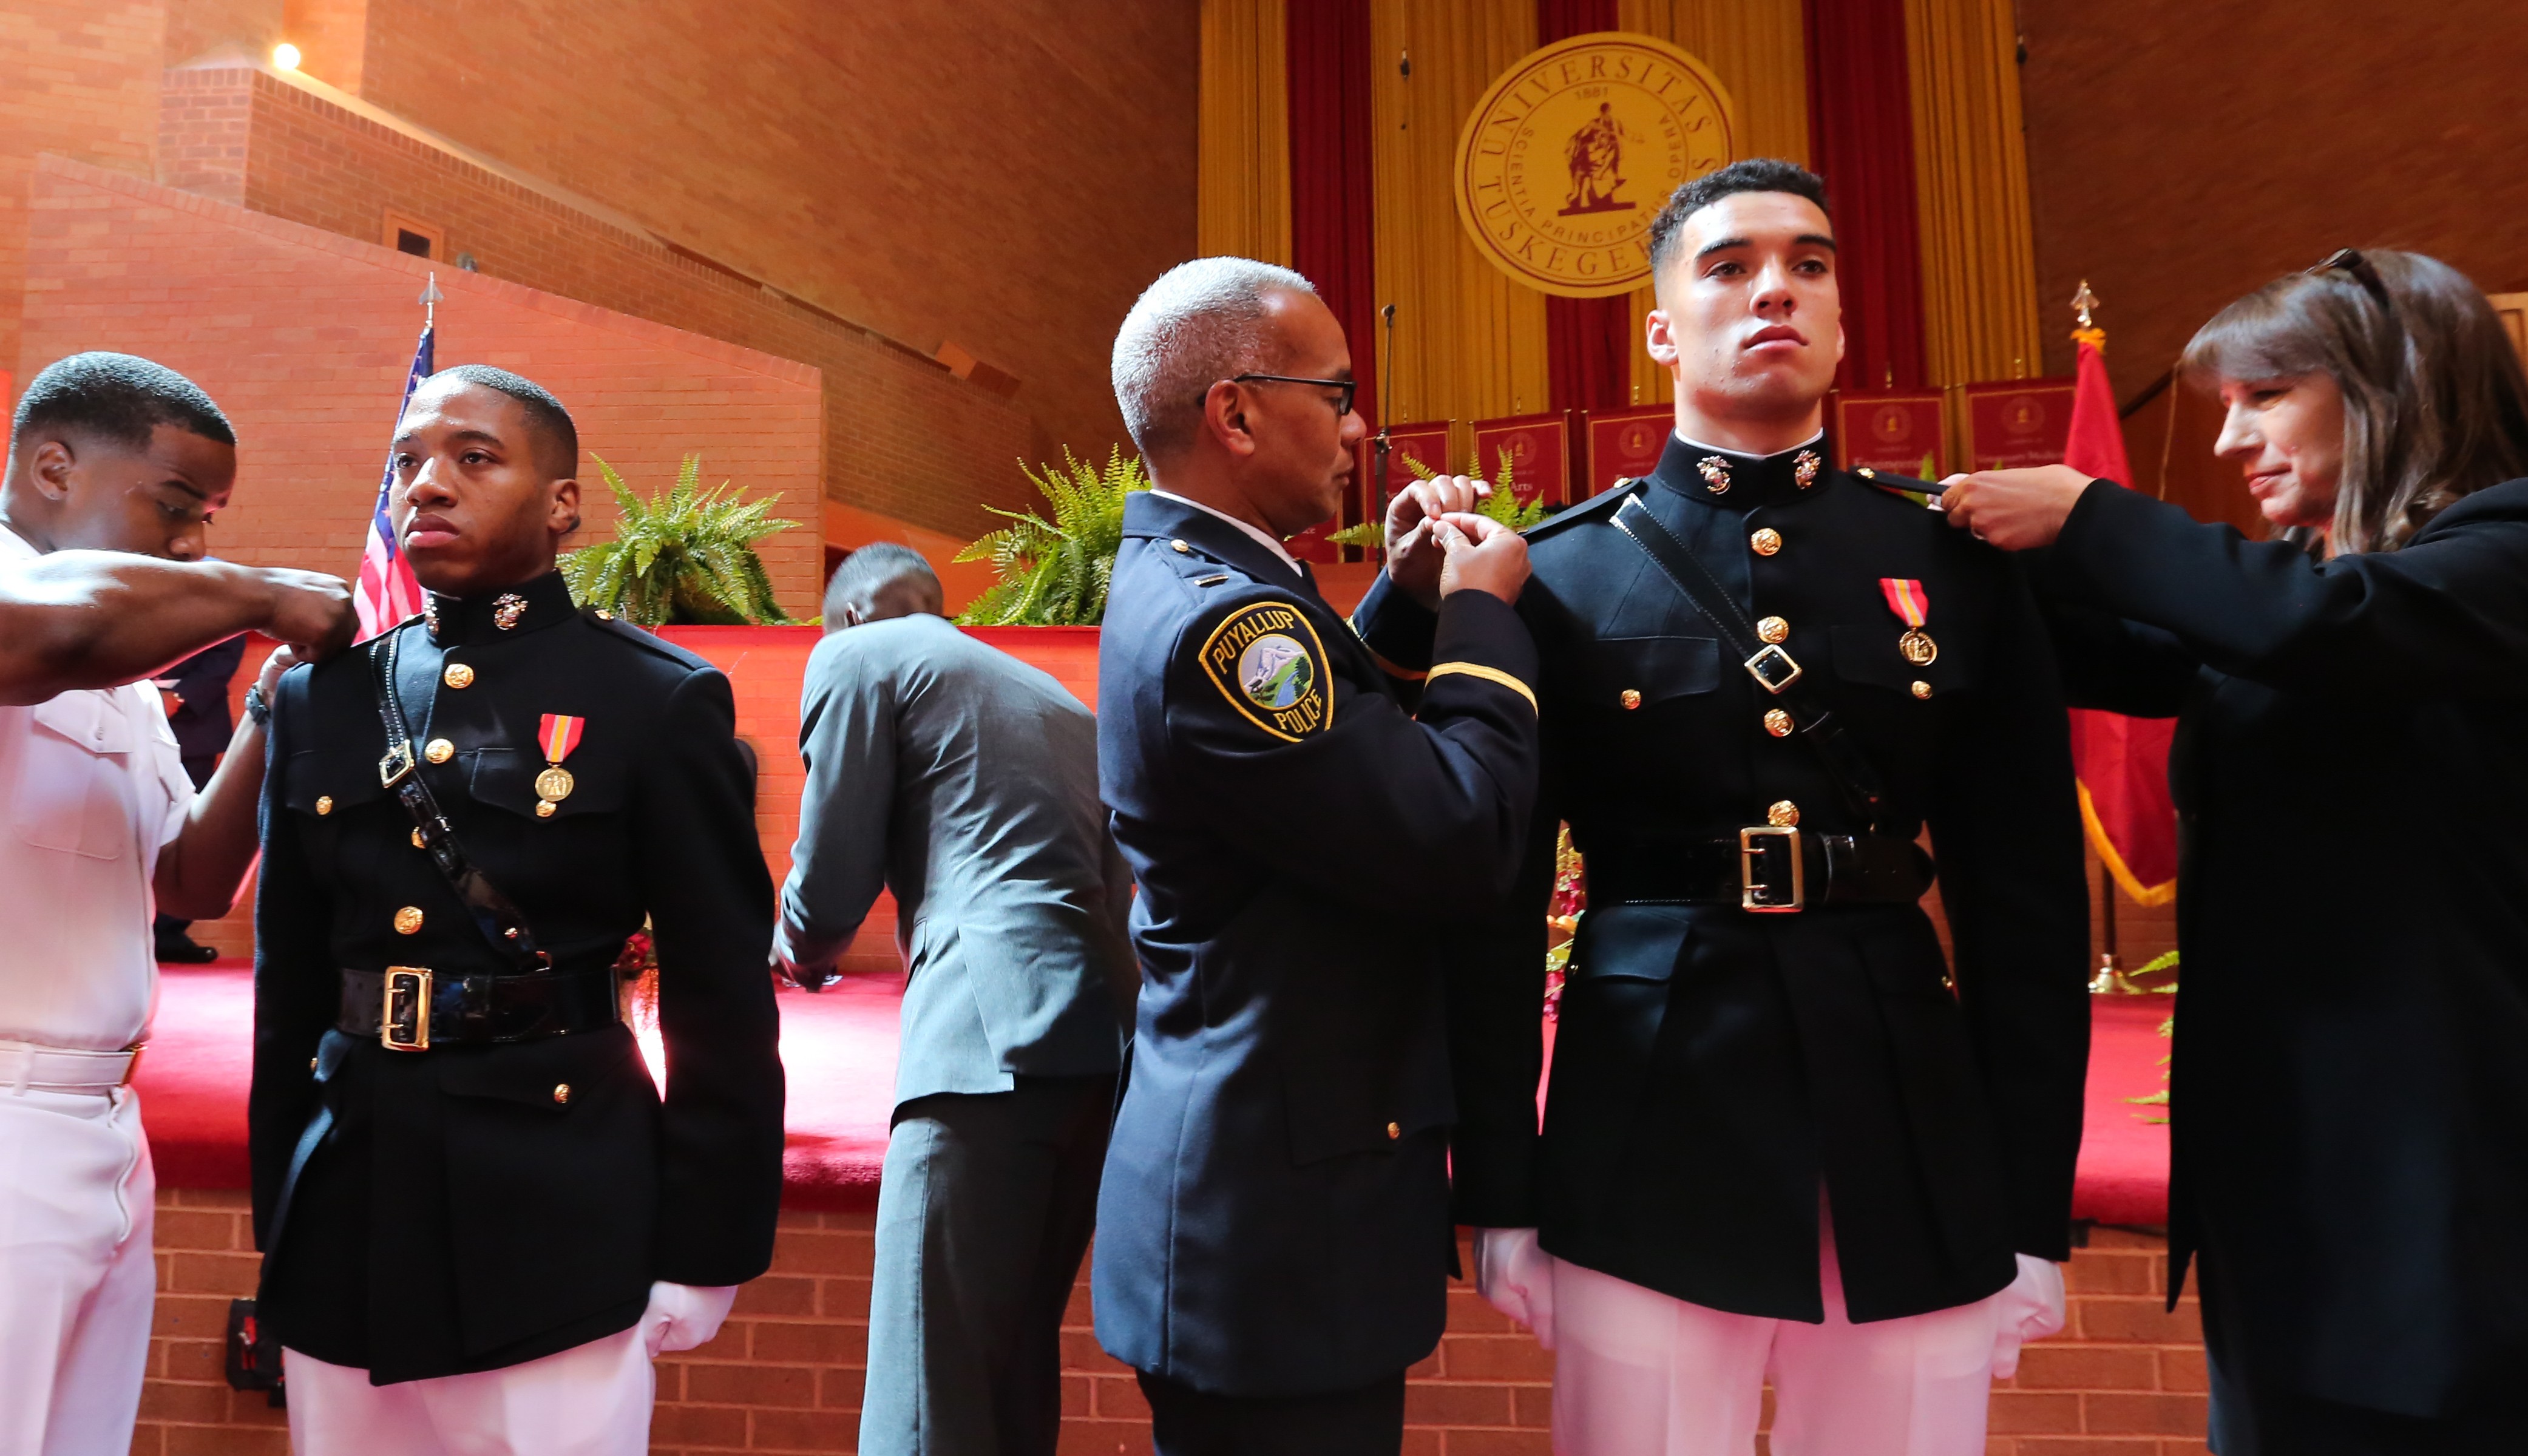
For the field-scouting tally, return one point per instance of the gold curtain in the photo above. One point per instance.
(1469, 343)
(1981, 318)
(1759, 48)
(1243, 147)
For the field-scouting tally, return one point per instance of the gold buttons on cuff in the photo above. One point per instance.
(407, 920)
(439, 751)
(1765, 541)
(1921, 689)
(1632, 698)
(1782, 815)
(544, 808)
(1777, 722)
(1394, 1131)
(562, 1094)
(1772, 629)
(324, 805)
(1180, 547)
(457, 675)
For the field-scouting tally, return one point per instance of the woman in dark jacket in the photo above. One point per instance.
(2351, 1086)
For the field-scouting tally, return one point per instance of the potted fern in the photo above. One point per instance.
(1054, 573)
(685, 557)
(1502, 505)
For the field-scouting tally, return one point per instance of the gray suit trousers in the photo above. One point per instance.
(986, 1206)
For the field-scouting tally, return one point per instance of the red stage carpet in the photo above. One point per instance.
(839, 1050)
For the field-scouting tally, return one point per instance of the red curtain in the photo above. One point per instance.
(1327, 68)
(1860, 140)
(1587, 342)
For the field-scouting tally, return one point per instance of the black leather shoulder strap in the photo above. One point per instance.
(1864, 793)
(493, 913)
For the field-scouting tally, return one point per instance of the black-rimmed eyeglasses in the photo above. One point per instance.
(1345, 388)
(2366, 273)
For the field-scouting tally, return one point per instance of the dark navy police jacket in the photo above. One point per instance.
(1275, 1214)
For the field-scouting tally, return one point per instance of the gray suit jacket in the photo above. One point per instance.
(966, 782)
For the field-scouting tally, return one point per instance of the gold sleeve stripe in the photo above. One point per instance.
(1487, 674)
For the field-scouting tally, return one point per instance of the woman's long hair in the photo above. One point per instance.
(2435, 403)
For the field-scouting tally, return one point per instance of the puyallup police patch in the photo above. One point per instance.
(1267, 660)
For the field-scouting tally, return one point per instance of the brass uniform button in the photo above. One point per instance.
(1777, 722)
(459, 676)
(407, 920)
(417, 842)
(562, 1094)
(1394, 1131)
(439, 751)
(544, 808)
(1632, 698)
(603, 615)
(1765, 541)
(311, 1064)
(1772, 629)
(1180, 547)
(1782, 815)
(1921, 689)
(324, 805)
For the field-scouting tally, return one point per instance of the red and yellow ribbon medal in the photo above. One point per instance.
(1906, 599)
(556, 736)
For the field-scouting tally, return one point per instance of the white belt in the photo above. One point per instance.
(27, 1067)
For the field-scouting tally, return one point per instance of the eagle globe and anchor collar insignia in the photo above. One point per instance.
(1267, 660)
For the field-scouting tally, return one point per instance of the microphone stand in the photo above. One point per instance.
(1385, 392)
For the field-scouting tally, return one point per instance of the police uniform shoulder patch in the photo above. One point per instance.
(1598, 507)
(1266, 658)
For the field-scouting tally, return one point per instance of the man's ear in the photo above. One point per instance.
(53, 466)
(563, 516)
(1224, 414)
(1659, 339)
(1838, 338)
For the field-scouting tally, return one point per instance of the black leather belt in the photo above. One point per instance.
(1766, 870)
(474, 1010)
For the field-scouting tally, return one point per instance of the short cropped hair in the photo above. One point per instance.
(117, 397)
(1202, 322)
(870, 570)
(1754, 175)
(556, 438)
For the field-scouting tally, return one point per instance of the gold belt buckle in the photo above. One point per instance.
(1773, 669)
(1751, 894)
(403, 1023)
(396, 766)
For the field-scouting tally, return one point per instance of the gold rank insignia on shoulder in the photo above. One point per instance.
(1716, 473)
(556, 735)
(1266, 659)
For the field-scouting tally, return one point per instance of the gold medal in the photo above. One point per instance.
(1918, 646)
(554, 783)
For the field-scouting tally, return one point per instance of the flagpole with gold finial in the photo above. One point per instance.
(2110, 978)
(430, 297)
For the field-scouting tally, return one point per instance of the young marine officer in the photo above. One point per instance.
(480, 1220)
(1273, 1235)
(1777, 1141)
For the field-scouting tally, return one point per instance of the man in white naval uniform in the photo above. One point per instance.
(115, 467)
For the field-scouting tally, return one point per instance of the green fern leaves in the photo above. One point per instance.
(1054, 573)
(686, 557)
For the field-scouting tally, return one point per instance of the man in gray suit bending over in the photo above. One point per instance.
(966, 782)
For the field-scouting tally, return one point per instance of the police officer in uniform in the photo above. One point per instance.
(1273, 1233)
(479, 1218)
(1777, 1140)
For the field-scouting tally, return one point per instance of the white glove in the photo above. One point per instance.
(1515, 1276)
(2031, 1308)
(683, 1315)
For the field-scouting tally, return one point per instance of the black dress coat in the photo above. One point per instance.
(1711, 1066)
(464, 1214)
(1273, 1219)
(2349, 1094)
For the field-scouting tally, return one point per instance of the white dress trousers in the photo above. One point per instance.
(589, 1400)
(76, 1281)
(1641, 1373)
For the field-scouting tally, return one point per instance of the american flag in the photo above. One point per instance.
(387, 593)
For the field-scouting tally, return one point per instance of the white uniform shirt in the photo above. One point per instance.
(1263, 540)
(91, 785)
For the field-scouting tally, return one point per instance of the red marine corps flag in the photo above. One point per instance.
(2122, 762)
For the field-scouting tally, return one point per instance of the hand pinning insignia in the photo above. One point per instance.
(1266, 659)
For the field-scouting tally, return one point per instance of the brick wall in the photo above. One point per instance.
(785, 1373)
